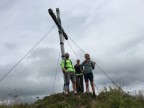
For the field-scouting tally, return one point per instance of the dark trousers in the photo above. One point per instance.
(79, 83)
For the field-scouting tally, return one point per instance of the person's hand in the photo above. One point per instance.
(82, 72)
(65, 71)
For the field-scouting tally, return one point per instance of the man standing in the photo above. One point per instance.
(87, 67)
(79, 77)
(69, 73)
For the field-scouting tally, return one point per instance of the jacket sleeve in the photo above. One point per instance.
(82, 65)
(93, 65)
(74, 68)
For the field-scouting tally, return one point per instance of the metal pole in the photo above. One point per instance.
(61, 41)
(60, 34)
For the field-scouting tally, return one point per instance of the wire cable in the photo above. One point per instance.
(77, 45)
(77, 56)
(110, 79)
(27, 53)
(97, 66)
(72, 49)
(56, 73)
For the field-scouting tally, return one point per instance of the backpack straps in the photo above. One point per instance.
(65, 63)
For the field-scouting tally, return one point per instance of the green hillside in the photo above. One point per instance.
(113, 98)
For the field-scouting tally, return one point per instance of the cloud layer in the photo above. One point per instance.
(110, 31)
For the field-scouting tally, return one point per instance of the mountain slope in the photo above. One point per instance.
(114, 98)
(106, 99)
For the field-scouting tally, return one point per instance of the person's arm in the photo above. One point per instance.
(74, 68)
(81, 68)
(63, 66)
(93, 64)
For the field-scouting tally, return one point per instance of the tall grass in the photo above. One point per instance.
(108, 98)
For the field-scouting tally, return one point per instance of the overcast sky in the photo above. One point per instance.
(111, 31)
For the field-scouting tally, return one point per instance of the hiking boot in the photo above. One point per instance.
(87, 93)
(75, 93)
(66, 93)
(94, 96)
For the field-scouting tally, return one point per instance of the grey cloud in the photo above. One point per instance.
(32, 76)
(47, 60)
(125, 71)
(127, 45)
(9, 46)
(111, 31)
(6, 4)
